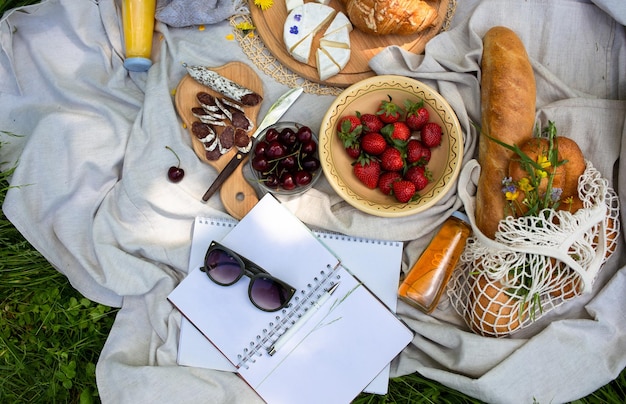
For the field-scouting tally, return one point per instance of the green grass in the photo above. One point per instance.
(51, 336)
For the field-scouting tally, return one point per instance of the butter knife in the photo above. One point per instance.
(276, 111)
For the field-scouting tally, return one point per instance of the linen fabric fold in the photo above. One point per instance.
(185, 13)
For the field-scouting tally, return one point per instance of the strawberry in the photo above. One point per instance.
(367, 171)
(431, 135)
(388, 112)
(417, 152)
(403, 190)
(419, 176)
(354, 150)
(391, 159)
(371, 123)
(397, 130)
(348, 124)
(373, 143)
(416, 114)
(348, 131)
(386, 180)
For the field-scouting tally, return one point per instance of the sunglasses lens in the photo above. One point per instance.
(222, 267)
(268, 294)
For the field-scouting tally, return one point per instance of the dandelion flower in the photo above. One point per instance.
(264, 4)
(245, 26)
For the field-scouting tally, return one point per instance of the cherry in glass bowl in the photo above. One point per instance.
(284, 159)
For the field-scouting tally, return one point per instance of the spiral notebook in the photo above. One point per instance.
(375, 262)
(334, 356)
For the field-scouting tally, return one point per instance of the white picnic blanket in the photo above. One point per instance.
(91, 191)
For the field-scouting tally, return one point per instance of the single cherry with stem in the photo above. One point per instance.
(175, 173)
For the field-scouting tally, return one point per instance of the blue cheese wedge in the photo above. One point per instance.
(302, 23)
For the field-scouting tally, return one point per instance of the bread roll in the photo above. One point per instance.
(508, 114)
(492, 312)
(566, 176)
(383, 17)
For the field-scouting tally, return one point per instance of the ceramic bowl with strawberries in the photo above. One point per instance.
(391, 146)
(285, 159)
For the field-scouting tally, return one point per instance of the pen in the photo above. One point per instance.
(302, 320)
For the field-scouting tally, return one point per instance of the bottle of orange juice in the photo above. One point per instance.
(138, 24)
(429, 276)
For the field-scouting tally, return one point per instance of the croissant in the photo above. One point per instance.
(383, 17)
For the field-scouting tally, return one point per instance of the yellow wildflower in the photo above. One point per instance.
(524, 185)
(543, 161)
(541, 173)
(201, 28)
(230, 37)
(511, 195)
(264, 4)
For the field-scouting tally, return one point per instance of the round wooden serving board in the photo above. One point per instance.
(237, 195)
(269, 25)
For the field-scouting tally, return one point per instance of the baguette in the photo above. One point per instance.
(508, 113)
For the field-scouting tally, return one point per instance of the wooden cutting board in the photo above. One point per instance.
(269, 25)
(237, 195)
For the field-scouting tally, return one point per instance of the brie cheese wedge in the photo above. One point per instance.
(339, 22)
(302, 51)
(340, 56)
(337, 39)
(302, 23)
(326, 68)
(291, 4)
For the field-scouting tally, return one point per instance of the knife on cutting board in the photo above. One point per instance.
(276, 111)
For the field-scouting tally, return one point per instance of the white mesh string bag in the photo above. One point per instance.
(535, 263)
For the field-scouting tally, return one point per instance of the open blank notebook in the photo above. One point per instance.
(334, 356)
(375, 262)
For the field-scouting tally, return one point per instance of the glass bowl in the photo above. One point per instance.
(284, 159)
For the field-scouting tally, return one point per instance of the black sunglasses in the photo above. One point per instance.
(225, 267)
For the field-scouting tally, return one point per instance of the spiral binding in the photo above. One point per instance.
(224, 222)
(322, 234)
(325, 234)
(291, 314)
